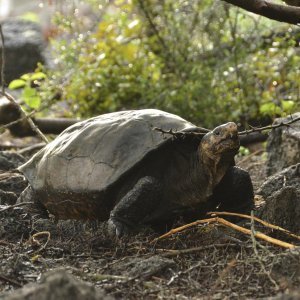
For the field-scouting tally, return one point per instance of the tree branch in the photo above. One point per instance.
(281, 13)
(202, 131)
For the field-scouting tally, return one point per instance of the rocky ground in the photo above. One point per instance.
(207, 261)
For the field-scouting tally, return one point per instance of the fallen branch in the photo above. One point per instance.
(275, 227)
(183, 227)
(226, 223)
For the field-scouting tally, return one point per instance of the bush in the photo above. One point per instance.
(202, 60)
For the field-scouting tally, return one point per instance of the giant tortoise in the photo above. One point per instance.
(116, 167)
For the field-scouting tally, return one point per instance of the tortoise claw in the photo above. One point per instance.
(117, 228)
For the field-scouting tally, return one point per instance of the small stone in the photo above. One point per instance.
(283, 209)
(58, 285)
(287, 177)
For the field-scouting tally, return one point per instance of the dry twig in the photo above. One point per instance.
(224, 273)
(273, 126)
(255, 243)
(230, 225)
(180, 134)
(198, 265)
(25, 116)
(275, 227)
(13, 206)
(175, 252)
(19, 120)
(33, 240)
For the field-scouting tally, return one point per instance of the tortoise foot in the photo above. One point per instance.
(117, 228)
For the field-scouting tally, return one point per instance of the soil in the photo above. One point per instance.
(207, 261)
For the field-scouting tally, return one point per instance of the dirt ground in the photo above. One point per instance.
(207, 261)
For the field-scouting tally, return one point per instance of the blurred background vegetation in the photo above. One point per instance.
(204, 60)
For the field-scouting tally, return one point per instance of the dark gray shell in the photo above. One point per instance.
(93, 154)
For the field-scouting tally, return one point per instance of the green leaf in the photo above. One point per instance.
(38, 76)
(16, 84)
(287, 105)
(243, 151)
(30, 16)
(31, 98)
(26, 76)
(266, 108)
(269, 108)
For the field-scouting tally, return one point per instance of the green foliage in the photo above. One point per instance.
(17, 84)
(29, 83)
(203, 60)
(243, 151)
(30, 16)
(31, 98)
(108, 69)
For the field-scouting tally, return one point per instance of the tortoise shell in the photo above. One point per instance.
(93, 154)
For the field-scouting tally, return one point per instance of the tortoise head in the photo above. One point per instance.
(222, 142)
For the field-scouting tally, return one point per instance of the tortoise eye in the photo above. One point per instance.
(217, 132)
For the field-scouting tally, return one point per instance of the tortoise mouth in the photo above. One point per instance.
(229, 145)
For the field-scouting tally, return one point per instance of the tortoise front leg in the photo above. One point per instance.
(135, 206)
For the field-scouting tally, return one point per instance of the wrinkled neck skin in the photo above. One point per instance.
(215, 166)
(192, 177)
(195, 183)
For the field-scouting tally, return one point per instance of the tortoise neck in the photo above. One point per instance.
(214, 167)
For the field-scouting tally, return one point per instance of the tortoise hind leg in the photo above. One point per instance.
(34, 206)
(135, 206)
(235, 192)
